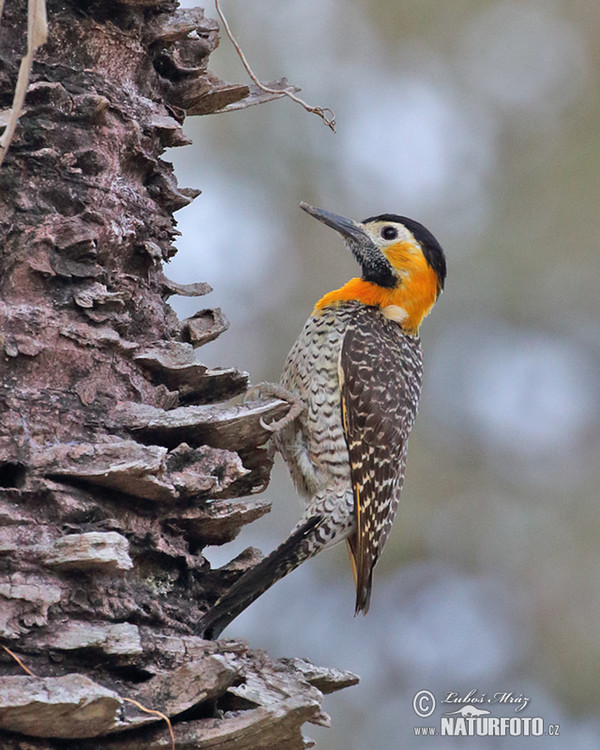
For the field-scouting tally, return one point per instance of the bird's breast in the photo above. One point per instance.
(314, 447)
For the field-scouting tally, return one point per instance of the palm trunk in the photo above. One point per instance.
(119, 457)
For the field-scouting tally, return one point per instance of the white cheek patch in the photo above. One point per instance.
(406, 235)
(395, 312)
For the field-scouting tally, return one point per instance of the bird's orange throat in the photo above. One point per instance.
(407, 303)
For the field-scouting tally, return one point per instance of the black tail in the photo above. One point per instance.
(299, 546)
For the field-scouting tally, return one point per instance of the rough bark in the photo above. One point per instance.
(119, 454)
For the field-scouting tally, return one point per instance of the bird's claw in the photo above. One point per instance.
(277, 391)
(269, 426)
(278, 424)
(254, 390)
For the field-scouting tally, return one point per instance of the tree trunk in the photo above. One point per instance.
(119, 457)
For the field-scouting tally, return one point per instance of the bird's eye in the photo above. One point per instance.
(389, 233)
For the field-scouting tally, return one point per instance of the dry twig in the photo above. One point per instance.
(326, 114)
(129, 700)
(156, 713)
(37, 33)
(19, 662)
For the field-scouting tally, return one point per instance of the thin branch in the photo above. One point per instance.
(326, 114)
(37, 33)
(19, 662)
(156, 713)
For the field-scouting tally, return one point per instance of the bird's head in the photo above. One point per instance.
(403, 265)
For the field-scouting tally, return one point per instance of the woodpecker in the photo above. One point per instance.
(353, 379)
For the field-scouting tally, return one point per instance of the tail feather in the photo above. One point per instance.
(297, 547)
(363, 587)
(363, 595)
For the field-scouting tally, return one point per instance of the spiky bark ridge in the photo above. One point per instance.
(119, 457)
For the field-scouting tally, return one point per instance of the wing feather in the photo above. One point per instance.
(380, 380)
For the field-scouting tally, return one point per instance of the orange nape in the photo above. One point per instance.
(414, 294)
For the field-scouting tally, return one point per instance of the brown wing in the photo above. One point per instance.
(380, 378)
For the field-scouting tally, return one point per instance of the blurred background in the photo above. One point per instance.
(478, 118)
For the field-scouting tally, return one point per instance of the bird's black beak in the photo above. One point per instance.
(375, 266)
(346, 227)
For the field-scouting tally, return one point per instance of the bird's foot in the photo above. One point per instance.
(277, 391)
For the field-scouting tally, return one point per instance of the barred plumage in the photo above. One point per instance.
(382, 371)
(356, 369)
